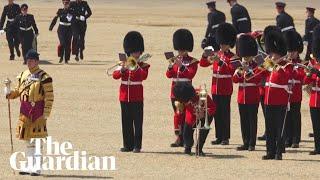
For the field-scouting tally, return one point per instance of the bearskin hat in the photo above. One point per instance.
(316, 43)
(183, 40)
(184, 91)
(294, 41)
(133, 42)
(246, 46)
(275, 43)
(226, 34)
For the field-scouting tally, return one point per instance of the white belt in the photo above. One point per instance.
(247, 85)
(220, 76)
(10, 20)
(181, 80)
(293, 81)
(316, 89)
(129, 83)
(215, 26)
(242, 19)
(310, 31)
(274, 85)
(287, 28)
(65, 24)
(25, 29)
(78, 18)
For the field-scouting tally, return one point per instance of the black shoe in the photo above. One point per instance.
(35, 174)
(242, 148)
(61, 59)
(77, 58)
(251, 148)
(268, 157)
(81, 55)
(288, 144)
(262, 138)
(187, 151)
(217, 141)
(278, 157)
(314, 153)
(201, 153)
(18, 52)
(136, 150)
(23, 173)
(66, 62)
(11, 57)
(177, 143)
(311, 135)
(125, 150)
(225, 142)
(295, 145)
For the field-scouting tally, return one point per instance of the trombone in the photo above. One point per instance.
(130, 63)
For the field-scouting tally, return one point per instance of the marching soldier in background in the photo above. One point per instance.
(248, 94)
(131, 92)
(222, 86)
(240, 17)
(27, 30)
(188, 97)
(35, 91)
(293, 122)
(313, 77)
(81, 12)
(284, 20)
(10, 12)
(182, 69)
(64, 30)
(310, 24)
(215, 18)
(277, 74)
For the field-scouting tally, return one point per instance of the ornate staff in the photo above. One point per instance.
(7, 91)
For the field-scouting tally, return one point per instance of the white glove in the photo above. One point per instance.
(69, 17)
(305, 43)
(2, 32)
(82, 18)
(6, 91)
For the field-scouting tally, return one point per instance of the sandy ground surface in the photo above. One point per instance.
(87, 112)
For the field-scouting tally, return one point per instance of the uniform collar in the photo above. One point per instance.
(33, 70)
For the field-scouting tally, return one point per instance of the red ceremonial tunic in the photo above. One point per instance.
(131, 89)
(222, 75)
(315, 93)
(185, 74)
(296, 83)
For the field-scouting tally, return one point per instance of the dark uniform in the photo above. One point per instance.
(310, 24)
(215, 18)
(11, 11)
(27, 31)
(64, 32)
(81, 12)
(240, 19)
(284, 20)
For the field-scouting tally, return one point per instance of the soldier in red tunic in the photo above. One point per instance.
(222, 86)
(191, 100)
(293, 121)
(248, 94)
(313, 77)
(277, 73)
(182, 68)
(131, 93)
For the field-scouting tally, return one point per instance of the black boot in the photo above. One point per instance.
(268, 157)
(81, 54)
(187, 150)
(262, 138)
(278, 157)
(18, 52)
(11, 57)
(61, 60)
(216, 142)
(242, 148)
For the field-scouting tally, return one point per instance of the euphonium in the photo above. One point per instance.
(131, 63)
(269, 64)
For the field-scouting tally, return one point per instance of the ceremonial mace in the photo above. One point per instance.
(7, 83)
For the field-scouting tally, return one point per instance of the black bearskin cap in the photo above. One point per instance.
(294, 41)
(183, 40)
(133, 42)
(270, 28)
(226, 34)
(246, 46)
(316, 43)
(275, 43)
(184, 91)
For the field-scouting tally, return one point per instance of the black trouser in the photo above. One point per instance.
(12, 36)
(222, 116)
(26, 38)
(293, 124)
(248, 121)
(188, 131)
(65, 36)
(275, 118)
(79, 29)
(309, 51)
(263, 107)
(132, 122)
(315, 117)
